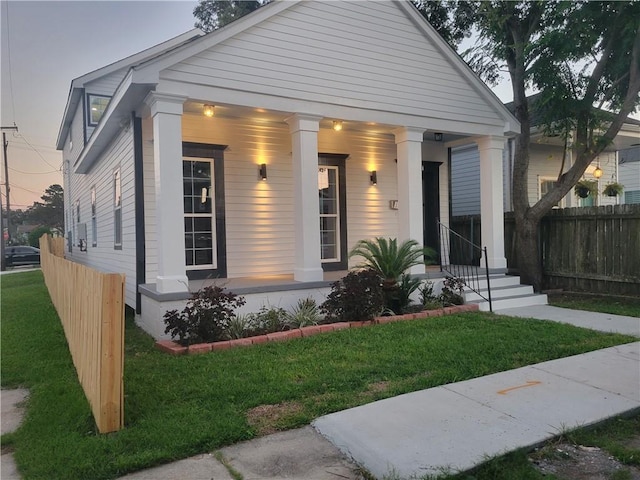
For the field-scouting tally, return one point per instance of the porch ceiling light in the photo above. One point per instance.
(208, 110)
(263, 172)
(597, 173)
(437, 137)
(337, 125)
(374, 177)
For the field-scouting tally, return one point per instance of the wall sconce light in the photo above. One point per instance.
(208, 110)
(263, 171)
(337, 125)
(437, 137)
(374, 177)
(597, 173)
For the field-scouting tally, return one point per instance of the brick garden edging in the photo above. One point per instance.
(174, 348)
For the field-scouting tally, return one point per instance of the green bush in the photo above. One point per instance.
(452, 291)
(303, 314)
(358, 296)
(205, 318)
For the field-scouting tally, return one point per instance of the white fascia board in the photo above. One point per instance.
(149, 70)
(511, 124)
(75, 92)
(75, 96)
(124, 101)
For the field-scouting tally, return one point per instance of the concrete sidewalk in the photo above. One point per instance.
(455, 427)
(603, 322)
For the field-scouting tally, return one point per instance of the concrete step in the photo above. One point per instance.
(513, 302)
(498, 292)
(499, 281)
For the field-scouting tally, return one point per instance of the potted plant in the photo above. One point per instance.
(612, 189)
(584, 188)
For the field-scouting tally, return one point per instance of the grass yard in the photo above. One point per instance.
(176, 407)
(618, 438)
(629, 306)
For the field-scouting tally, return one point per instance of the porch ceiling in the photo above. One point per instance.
(195, 107)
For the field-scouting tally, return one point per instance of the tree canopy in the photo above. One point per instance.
(50, 212)
(214, 14)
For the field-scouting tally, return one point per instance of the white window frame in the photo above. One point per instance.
(543, 178)
(90, 96)
(336, 215)
(94, 225)
(211, 195)
(117, 209)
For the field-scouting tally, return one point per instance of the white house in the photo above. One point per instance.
(629, 172)
(219, 155)
(545, 161)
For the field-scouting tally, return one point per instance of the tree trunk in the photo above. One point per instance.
(529, 262)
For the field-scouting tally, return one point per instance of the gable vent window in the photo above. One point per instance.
(96, 105)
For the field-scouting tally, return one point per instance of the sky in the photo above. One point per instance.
(45, 45)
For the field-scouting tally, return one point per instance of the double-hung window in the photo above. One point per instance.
(117, 210)
(94, 226)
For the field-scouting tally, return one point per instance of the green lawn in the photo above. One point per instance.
(629, 306)
(179, 406)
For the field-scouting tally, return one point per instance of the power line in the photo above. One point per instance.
(35, 150)
(34, 173)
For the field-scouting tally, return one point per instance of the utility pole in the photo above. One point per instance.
(6, 179)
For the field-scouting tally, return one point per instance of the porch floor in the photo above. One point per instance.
(273, 283)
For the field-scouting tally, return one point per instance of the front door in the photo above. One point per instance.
(332, 211)
(431, 203)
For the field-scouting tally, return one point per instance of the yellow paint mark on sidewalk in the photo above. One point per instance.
(530, 383)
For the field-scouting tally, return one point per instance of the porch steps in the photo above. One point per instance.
(506, 292)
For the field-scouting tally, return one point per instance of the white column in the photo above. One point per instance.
(410, 210)
(166, 111)
(304, 145)
(491, 200)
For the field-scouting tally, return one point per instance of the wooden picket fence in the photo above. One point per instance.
(90, 305)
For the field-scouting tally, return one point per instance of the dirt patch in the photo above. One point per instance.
(267, 419)
(378, 387)
(577, 462)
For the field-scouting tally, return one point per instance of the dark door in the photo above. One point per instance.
(431, 203)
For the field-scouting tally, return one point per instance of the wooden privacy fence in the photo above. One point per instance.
(90, 305)
(591, 249)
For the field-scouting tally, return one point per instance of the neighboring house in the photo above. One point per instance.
(218, 155)
(545, 160)
(629, 172)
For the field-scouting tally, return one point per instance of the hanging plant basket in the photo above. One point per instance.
(584, 188)
(613, 189)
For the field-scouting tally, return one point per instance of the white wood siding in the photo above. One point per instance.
(259, 215)
(104, 257)
(359, 54)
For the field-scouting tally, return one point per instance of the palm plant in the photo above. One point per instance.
(389, 259)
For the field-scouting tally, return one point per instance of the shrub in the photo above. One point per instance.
(205, 318)
(358, 296)
(400, 299)
(303, 314)
(269, 320)
(452, 291)
(240, 326)
(428, 299)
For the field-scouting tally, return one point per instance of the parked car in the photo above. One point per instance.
(21, 255)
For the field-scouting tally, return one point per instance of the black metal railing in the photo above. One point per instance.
(458, 257)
